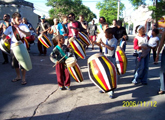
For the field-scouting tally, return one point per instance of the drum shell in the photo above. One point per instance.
(121, 61)
(22, 55)
(74, 69)
(77, 47)
(84, 38)
(44, 40)
(102, 72)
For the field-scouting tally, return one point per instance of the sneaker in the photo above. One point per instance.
(67, 87)
(111, 96)
(134, 82)
(101, 91)
(62, 88)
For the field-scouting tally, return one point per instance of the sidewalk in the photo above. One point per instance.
(41, 98)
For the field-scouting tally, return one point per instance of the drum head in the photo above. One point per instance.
(71, 61)
(94, 56)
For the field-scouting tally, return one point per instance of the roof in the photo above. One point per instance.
(18, 2)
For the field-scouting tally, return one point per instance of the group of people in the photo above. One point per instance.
(105, 36)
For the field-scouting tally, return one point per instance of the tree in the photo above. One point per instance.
(137, 3)
(158, 9)
(108, 9)
(64, 7)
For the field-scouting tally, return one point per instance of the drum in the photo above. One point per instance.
(74, 69)
(121, 60)
(22, 55)
(84, 38)
(5, 46)
(77, 47)
(102, 72)
(30, 38)
(26, 42)
(44, 40)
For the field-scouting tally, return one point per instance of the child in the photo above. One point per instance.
(154, 42)
(109, 44)
(60, 50)
(101, 36)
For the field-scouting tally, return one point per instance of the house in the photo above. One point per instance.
(21, 6)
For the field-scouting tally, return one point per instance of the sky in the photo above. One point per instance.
(41, 8)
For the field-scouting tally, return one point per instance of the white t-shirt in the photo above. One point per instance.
(102, 37)
(9, 31)
(111, 43)
(153, 41)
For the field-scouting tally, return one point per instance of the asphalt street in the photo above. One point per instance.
(41, 98)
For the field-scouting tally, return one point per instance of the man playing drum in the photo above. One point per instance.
(42, 29)
(17, 32)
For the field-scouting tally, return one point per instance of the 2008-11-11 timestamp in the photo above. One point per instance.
(139, 103)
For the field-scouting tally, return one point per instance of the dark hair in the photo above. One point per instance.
(103, 18)
(109, 31)
(114, 20)
(16, 14)
(104, 24)
(81, 16)
(58, 37)
(136, 28)
(156, 31)
(119, 23)
(72, 14)
(7, 15)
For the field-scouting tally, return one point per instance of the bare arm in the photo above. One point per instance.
(160, 46)
(107, 46)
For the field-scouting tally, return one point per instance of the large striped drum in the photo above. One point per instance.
(102, 72)
(44, 40)
(84, 38)
(77, 47)
(74, 69)
(121, 60)
(5, 46)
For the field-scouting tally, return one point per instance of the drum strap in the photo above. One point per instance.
(16, 34)
(61, 51)
(42, 26)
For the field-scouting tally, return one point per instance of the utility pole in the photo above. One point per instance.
(118, 11)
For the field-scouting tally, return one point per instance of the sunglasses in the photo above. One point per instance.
(4, 16)
(69, 16)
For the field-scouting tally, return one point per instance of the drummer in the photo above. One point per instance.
(20, 31)
(109, 48)
(59, 51)
(42, 29)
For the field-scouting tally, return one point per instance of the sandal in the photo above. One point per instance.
(161, 92)
(15, 80)
(23, 83)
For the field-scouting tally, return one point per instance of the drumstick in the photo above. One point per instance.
(59, 60)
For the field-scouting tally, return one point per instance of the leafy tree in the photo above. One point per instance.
(108, 9)
(137, 3)
(158, 9)
(64, 7)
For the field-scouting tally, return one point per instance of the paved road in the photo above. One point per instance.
(41, 98)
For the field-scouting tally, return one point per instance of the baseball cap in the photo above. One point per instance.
(43, 17)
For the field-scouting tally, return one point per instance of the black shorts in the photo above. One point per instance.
(14, 62)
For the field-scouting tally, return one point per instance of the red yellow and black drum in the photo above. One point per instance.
(84, 38)
(121, 61)
(44, 40)
(77, 47)
(102, 72)
(74, 69)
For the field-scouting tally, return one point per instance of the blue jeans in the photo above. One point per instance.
(142, 70)
(162, 71)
